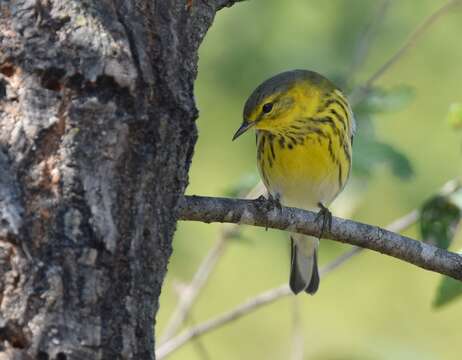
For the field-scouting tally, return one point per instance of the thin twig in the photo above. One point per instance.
(363, 44)
(199, 346)
(270, 296)
(200, 278)
(258, 301)
(192, 290)
(359, 93)
(297, 330)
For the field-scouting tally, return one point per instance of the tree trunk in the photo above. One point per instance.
(96, 137)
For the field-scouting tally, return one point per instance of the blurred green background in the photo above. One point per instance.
(373, 307)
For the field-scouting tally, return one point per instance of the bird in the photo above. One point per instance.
(304, 135)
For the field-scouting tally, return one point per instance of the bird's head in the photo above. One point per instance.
(276, 103)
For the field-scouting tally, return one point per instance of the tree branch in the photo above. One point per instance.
(201, 277)
(275, 294)
(189, 295)
(298, 342)
(187, 299)
(220, 4)
(360, 92)
(365, 39)
(260, 300)
(254, 212)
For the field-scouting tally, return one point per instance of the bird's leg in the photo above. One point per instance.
(261, 198)
(326, 217)
(275, 202)
(269, 204)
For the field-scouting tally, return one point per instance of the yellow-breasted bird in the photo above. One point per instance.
(305, 130)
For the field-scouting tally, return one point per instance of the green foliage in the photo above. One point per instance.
(370, 152)
(449, 289)
(455, 115)
(438, 220)
(380, 100)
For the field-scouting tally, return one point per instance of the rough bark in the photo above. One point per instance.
(96, 137)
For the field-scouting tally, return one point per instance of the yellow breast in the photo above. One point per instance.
(303, 169)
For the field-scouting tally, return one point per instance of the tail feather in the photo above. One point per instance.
(314, 282)
(304, 275)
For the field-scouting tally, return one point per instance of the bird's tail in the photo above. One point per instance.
(304, 275)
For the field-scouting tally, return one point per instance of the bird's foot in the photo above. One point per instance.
(326, 217)
(269, 204)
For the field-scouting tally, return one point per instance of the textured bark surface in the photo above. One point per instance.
(96, 136)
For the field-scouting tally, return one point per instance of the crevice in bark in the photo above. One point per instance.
(51, 78)
(7, 69)
(2, 89)
(13, 334)
(131, 42)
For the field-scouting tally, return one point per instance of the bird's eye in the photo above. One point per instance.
(267, 108)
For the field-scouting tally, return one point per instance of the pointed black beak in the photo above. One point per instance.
(244, 127)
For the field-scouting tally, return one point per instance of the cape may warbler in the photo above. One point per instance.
(305, 130)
